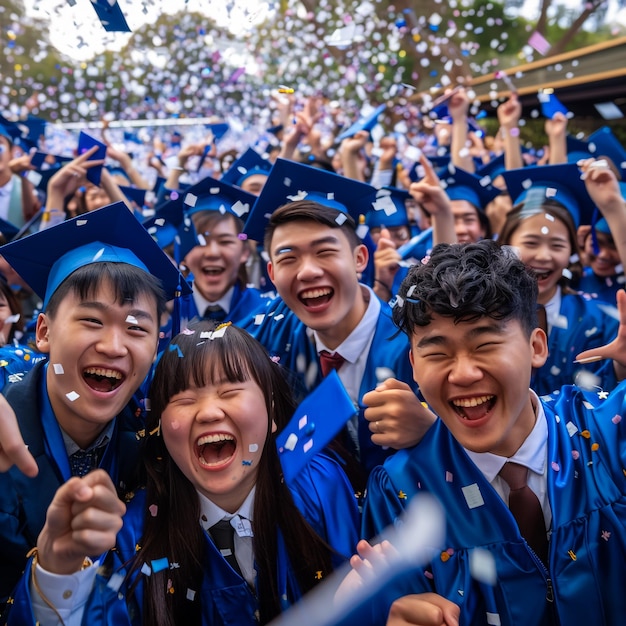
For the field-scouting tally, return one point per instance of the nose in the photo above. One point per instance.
(464, 371)
(209, 410)
(112, 342)
(210, 247)
(309, 269)
(543, 252)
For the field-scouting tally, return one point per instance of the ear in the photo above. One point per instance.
(270, 270)
(245, 252)
(361, 257)
(42, 332)
(274, 427)
(411, 360)
(539, 347)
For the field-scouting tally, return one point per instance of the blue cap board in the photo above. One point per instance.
(492, 169)
(248, 164)
(290, 181)
(461, 185)
(365, 122)
(550, 104)
(86, 142)
(8, 230)
(438, 162)
(108, 234)
(138, 196)
(111, 16)
(388, 208)
(313, 426)
(535, 184)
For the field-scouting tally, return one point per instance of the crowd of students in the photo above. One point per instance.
(160, 339)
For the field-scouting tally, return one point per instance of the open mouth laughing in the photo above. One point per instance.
(214, 451)
(473, 408)
(103, 379)
(316, 297)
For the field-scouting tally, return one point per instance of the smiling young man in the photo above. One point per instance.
(99, 328)
(470, 314)
(308, 220)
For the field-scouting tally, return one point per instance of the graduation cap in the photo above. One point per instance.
(388, 208)
(313, 426)
(218, 129)
(550, 104)
(111, 16)
(365, 122)
(138, 196)
(248, 164)
(493, 169)
(461, 185)
(209, 194)
(290, 181)
(108, 234)
(86, 142)
(604, 143)
(8, 230)
(439, 162)
(534, 185)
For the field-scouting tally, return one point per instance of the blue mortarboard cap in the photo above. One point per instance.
(313, 426)
(289, 181)
(138, 196)
(111, 16)
(438, 162)
(46, 165)
(550, 104)
(248, 164)
(219, 129)
(536, 184)
(578, 146)
(365, 122)
(493, 169)
(207, 195)
(8, 230)
(388, 208)
(604, 143)
(461, 185)
(108, 234)
(86, 142)
(602, 226)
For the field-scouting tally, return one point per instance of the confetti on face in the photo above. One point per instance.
(253, 447)
(246, 462)
(131, 320)
(175, 425)
(545, 230)
(72, 396)
(58, 368)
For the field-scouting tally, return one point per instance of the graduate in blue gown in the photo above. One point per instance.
(216, 401)
(470, 313)
(550, 201)
(99, 330)
(316, 257)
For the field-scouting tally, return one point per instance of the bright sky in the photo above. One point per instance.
(76, 32)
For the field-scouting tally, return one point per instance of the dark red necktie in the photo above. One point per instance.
(525, 507)
(329, 362)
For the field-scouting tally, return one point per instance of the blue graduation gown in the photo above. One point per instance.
(24, 501)
(323, 495)
(587, 495)
(286, 337)
(242, 304)
(602, 288)
(583, 326)
(16, 361)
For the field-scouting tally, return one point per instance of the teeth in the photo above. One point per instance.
(203, 462)
(215, 438)
(469, 402)
(107, 373)
(315, 293)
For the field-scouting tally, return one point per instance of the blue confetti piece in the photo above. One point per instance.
(159, 565)
(174, 347)
(244, 462)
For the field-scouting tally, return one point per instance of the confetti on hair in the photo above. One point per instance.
(176, 348)
(154, 509)
(145, 569)
(188, 331)
(157, 430)
(160, 564)
(170, 586)
(191, 595)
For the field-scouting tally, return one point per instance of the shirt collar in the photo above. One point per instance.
(211, 514)
(353, 346)
(532, 453)
(103, 439)
(202, 303)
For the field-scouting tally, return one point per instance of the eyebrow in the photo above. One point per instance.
(496, 328)
(100, 306)
(316, 242)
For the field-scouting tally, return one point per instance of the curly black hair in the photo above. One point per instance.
(467, 282)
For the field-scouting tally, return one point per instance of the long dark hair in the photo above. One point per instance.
(176, 531)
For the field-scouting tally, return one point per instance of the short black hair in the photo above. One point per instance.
(466, 282)
(128, 282)
(302, 210)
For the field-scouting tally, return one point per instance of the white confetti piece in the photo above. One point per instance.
(146, 569)
(472, 495)
(191, 594)
(308, 445)
(191, 199)
(58, 368)
(291, 442)
(12, 319)
(72, 396)
(115, 582)
(130, 319)
(253, 447)
(97, 255)
(302, 422)
(483, 566)
(493, 619)
(572, 429)
(81, 222)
